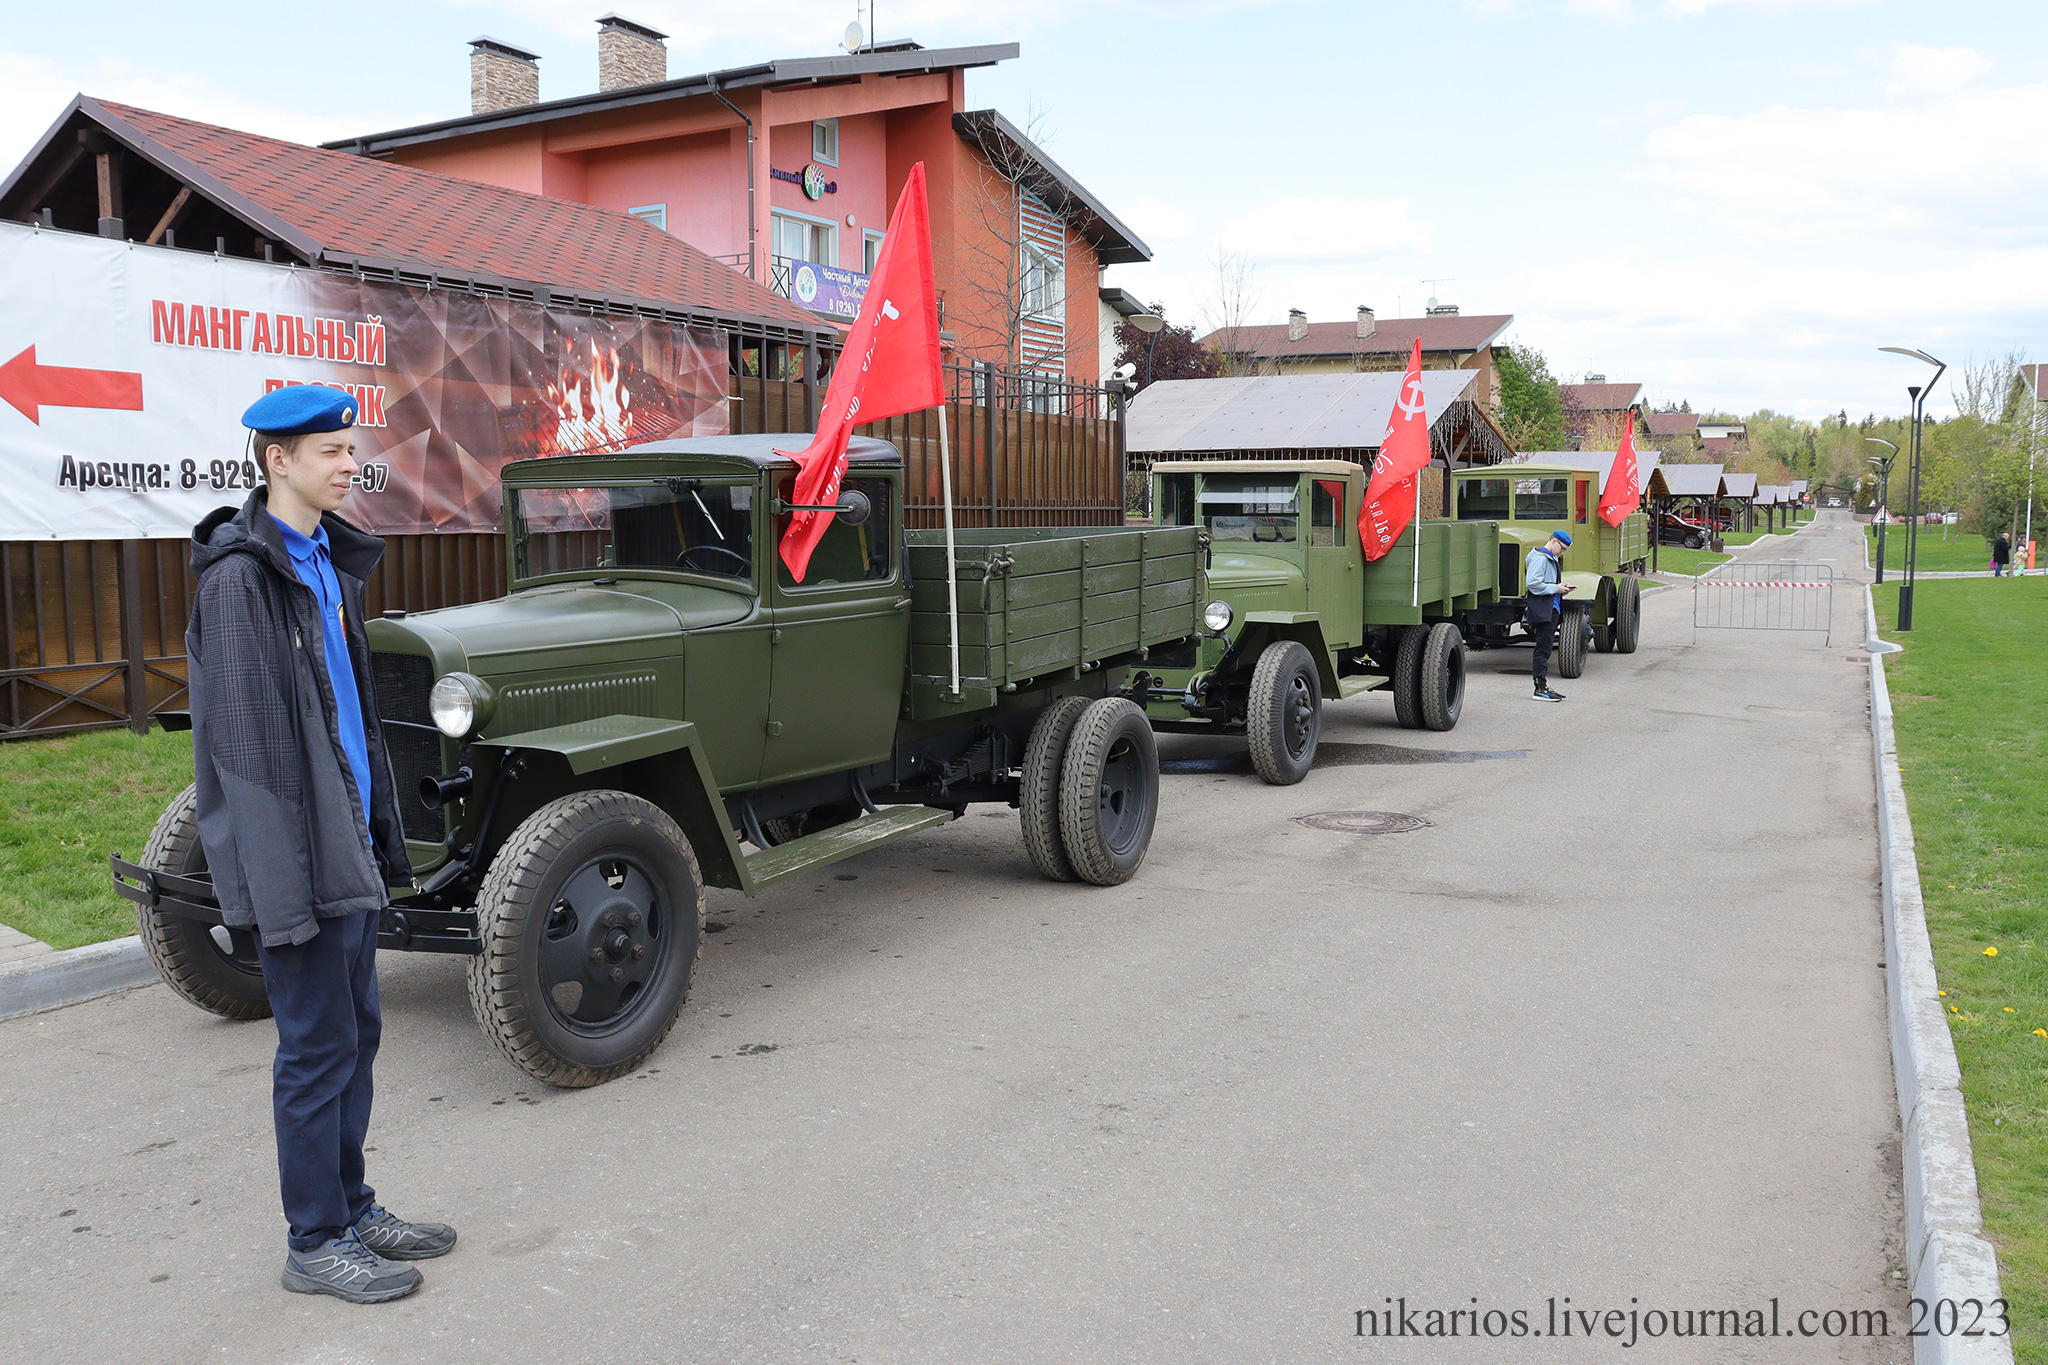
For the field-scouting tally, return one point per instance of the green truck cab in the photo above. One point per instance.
(1296, 616)
(657, 707)
(1529, 503)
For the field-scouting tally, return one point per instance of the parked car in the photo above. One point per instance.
(1673, 529)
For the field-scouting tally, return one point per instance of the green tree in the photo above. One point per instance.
(1532, 408)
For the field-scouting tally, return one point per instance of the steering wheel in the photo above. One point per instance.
(688, 560)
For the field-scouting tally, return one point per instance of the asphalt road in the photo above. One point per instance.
(1610, 1027)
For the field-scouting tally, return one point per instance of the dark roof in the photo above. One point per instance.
(889, 60)
(1673, 423)
(1122, 300)
(339, 210)
(762, 451)
(1603, 397)
(997, 136)
(1389, 336)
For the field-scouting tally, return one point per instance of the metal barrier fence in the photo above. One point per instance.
(1741, 595)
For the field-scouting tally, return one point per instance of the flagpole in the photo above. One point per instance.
(952, 586)
(1415, 587)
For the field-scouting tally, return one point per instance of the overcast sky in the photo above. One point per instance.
(1731, 201)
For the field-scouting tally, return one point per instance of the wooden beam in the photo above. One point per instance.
(106, 179)
(170, 214)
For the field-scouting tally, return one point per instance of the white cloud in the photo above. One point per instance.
(1156, 221)
(1327, 230)
(1919, 70)
(34, 91)
(1600, 9)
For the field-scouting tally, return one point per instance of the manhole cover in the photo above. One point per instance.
(1363, 821)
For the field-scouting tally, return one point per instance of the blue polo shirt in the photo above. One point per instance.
(316, 570)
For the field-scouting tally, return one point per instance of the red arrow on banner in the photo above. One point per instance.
(29, 387)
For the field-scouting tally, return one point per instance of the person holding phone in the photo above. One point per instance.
(298, 812)
(1543, 591)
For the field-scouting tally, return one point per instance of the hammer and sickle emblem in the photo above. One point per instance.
(889, 310)
(1412, 409)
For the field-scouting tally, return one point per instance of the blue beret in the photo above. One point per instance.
(298, 409)
(1565, 536)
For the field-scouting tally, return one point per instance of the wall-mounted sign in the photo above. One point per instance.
(811, 180)
(827, 289)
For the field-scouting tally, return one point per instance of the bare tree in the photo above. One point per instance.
(1228, 311)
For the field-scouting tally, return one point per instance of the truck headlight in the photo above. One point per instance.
(1217, 616)
(461, 704)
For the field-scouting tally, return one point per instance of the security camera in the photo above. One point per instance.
(1124, 373)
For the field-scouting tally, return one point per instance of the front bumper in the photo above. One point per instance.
(405, 926)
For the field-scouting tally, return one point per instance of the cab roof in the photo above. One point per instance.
(768, 451)
(1517, 471)
(1286, 468)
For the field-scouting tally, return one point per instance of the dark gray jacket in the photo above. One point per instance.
(278, 802)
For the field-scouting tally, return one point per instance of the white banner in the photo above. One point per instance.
(125, 369)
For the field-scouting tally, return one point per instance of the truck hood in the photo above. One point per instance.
(1233, 571)
(533, 628)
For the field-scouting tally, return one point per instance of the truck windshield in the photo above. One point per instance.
(1483, 500)
(1540, 499)
(1248, 507)
(674, 524)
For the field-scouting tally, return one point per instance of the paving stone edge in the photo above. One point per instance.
(1947, 1256)
(73, 975)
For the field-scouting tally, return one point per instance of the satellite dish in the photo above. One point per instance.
(1432, 302)
(854, 37)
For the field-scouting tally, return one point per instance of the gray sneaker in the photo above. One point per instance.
(345, 1268)
(391, 1237)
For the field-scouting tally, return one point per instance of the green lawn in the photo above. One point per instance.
(1970, 693)
(1961, 550)
(1678, 559)
(65, 804)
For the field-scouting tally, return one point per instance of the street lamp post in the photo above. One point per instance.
(1151, 324)
(1884, 486)
(1919, 396)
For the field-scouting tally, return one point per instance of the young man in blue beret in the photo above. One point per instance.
(298, 812)
(1543, 590)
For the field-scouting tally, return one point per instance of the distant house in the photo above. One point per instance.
(1367, 342)
(1676, 434)
(1609, 410)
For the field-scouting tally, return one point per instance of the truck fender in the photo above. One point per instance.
(659, 760)
(1262, 628)
(1591, 589)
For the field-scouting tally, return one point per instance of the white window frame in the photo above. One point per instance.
(869, 259)
(824, 131)
(655, 214)
(1042, 283)
(831, 236)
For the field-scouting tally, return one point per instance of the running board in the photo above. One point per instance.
(828, 846)
(1358, 682)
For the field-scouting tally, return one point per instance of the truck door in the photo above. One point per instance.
(1336, 584)
(841, 643)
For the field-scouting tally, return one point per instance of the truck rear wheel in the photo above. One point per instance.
(1285, 713)
(1109, 792)
(1605, 635)
(590, 919)
(1038, 792)
(1443, 677)
(1408, 677)
(214, 967)
(1629, 628)
(1574, 631)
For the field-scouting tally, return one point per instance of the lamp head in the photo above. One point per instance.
(1146, 322)
(1917, 355)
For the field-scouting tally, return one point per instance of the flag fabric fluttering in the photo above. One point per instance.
(1624, 483)
(889, 366)
(1391, 495)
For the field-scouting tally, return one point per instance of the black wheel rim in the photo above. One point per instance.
(1122, 808)
(604, 942)
(237, 948)
(1454, 681)
(1298, 724)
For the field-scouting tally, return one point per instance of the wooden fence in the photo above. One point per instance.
(95, 629)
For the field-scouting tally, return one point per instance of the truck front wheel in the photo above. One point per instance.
(1109, 792)
(1408, 677)
(1285, 713)
(590, 919)
(1443, 677)
(214, 967)
(1038, 792)
(1574, 633)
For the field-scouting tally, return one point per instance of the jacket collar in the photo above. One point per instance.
(251, 529)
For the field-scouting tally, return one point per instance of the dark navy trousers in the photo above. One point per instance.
(323, 994)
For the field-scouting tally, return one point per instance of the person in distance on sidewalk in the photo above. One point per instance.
(1544, 594)
(298, 812)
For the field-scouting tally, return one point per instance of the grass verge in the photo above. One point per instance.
(1678, 559)
(69, 801)
(1958, 552)
(1969, 694)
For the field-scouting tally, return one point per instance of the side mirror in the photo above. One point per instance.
(854, 507)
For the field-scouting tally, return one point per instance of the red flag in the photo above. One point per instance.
(1390, 498)
(1623, 492)
(889, 366)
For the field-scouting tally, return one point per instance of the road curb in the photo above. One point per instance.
(1947, 1257)
(74, 975)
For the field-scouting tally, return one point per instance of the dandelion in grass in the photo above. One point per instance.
(1991, 951)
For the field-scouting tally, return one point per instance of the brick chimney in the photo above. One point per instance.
(1297, 324)
(501, 76)
(629, 54)
(1367, 325)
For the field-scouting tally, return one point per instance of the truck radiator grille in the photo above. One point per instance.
(402, 682)
(540, 705)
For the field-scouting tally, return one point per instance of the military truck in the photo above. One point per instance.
(1529, 502)
(1297, 617)
(657, 706)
